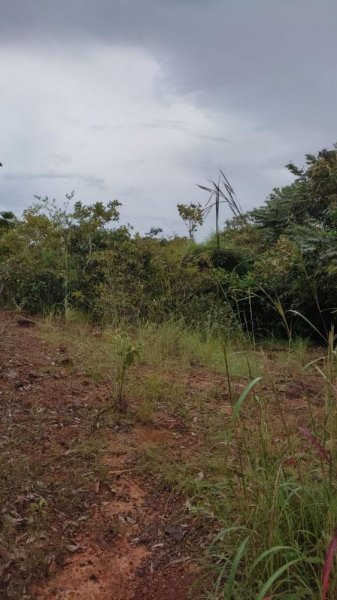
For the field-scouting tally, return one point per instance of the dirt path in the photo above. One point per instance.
(84, 522)
(135, 547)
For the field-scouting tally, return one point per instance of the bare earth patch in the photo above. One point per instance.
(79, 519)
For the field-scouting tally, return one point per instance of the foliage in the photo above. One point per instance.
(7, 220)
(193, 215)
(276, 260)
(294, 248)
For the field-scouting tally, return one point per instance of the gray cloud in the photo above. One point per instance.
(156, 96)
(89, 180)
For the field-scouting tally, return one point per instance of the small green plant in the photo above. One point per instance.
(37, 513)
(127, 354)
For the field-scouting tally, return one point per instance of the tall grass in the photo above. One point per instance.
(280, 541)
(274, 492)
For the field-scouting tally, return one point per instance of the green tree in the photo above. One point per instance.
(192, 215)
(89, 221)
(310, 200)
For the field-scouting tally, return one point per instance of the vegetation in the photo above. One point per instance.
(281, 257)
(168, 308)
(258, 464)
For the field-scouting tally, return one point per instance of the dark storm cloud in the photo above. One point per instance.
(262, 71)
(271, 58)
(206, 46)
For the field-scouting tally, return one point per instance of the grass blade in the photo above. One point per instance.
(266, 554)
(328, 564)
(243, 396)
(295, 312)
(234, 568)
(275, 576)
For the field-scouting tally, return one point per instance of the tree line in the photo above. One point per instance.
(269, 271)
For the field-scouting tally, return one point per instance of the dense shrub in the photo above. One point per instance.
(262, 268)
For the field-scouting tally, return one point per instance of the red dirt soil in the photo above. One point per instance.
(139, 543)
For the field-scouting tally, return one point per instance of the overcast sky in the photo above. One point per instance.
(141, 100)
